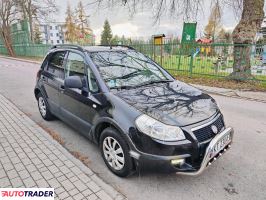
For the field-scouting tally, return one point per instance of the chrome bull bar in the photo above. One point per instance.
(208, 154)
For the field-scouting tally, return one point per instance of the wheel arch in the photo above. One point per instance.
(103, 124)
(36, 92)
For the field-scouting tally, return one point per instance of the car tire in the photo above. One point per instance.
(44, 108)
(115, 152)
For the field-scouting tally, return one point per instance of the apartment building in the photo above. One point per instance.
(52, 33)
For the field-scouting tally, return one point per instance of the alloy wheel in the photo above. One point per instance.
(42, 106)
(113, 153)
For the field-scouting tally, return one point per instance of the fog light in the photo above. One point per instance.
(178, 162)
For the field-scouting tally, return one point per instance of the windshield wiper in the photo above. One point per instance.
(125, 76)
(145, 83)
(156, 81)
(122, 87)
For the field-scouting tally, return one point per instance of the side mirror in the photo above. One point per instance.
(73, 82)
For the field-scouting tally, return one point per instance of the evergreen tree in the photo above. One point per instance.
(70, 34)
(106, 35)
(82, 19)
(115, 40)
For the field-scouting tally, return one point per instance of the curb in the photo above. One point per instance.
(227, 93)
(106, 187)
(20, 59)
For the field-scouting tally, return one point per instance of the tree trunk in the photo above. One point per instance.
(30, 12)
(243, 37)
(7, 40)
(31, 28)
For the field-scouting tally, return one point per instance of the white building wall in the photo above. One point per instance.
(52, 33)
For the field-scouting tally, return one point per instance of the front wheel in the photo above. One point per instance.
(43, 108)
(115, 152)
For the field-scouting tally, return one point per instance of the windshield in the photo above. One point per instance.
(127, 68)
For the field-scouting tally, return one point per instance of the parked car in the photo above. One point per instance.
(132, 108)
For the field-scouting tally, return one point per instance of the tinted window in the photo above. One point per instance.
(75, 66)
(93, 87)
(56, 62)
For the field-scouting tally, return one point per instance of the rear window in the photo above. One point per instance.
(55, 65)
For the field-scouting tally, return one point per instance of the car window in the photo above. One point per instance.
(126, 68)
(75, 66)
(93, 86)
(56, 62)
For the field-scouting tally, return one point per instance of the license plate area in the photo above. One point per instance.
(220, 145)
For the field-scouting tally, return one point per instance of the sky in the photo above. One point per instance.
(141, 25)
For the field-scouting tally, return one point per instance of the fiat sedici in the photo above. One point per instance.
(132, 108)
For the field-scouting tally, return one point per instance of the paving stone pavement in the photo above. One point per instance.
(29, 157)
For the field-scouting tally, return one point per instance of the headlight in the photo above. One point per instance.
(158, 130)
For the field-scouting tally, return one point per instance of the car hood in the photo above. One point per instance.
(173, 103)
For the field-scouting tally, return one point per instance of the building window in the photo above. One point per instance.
(51, 27)
(56, 27)
(52, 41)
(57, 34)
(51, 34)
(58, 41)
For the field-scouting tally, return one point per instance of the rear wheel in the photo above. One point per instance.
(115, 152)
(43, 108)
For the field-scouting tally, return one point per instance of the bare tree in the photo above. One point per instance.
(214, 24)
(188, 9)
(7, 16)
(35, 10)
(252, 14)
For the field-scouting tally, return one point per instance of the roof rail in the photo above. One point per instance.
(72, 46)
(117, 45)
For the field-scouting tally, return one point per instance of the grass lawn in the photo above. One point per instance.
(204, 66)
(221, 82)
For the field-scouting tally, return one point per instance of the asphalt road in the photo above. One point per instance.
(240, 174)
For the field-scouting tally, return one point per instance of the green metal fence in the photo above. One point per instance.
(212, 60)
(31, 50)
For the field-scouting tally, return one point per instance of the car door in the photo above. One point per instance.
(52, 78)
(79, 106)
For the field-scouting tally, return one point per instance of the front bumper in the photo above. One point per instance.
(208, 157)
(185, 168)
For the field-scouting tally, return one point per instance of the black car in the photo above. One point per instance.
(136, 112)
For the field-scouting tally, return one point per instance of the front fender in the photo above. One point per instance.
(103, 123)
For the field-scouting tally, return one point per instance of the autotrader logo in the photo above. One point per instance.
(27, 193)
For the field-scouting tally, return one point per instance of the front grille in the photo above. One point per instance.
(206, 132)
